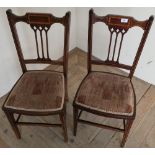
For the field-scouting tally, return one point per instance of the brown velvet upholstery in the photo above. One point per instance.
(106, 92)
(38, 91)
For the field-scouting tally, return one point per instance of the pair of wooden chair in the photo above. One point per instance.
(42, 93)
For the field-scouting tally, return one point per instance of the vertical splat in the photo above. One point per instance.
(111, 34)
(35, 32)
(41, 29)
(118, 32)
(41, 37)
(120, 45)
(46, 34)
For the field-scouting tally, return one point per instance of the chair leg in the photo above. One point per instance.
(126, 133)
(13, 124)
(64, 126)
(75, 121)
(66, 97)
(66, 92)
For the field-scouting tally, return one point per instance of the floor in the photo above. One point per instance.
(142, 133)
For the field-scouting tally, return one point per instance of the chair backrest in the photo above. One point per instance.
(118, 25)
(40, 22)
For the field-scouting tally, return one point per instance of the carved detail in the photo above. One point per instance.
(117, 31)
(41, 29)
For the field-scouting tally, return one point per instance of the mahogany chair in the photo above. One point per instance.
(107, 94)
(39, 92)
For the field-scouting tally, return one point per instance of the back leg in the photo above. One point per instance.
(126, 133)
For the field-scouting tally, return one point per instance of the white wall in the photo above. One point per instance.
(10, 69)
(145, 69)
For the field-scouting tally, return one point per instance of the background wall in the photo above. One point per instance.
(10, 69)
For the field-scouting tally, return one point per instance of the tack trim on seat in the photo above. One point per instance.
(110, 112)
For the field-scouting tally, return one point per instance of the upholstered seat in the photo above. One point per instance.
(106, 92)
(38, 91)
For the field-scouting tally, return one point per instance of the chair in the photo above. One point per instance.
(108, 94)
(39, 92)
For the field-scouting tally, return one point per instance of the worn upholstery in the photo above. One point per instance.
(106, 92)
(37, 91)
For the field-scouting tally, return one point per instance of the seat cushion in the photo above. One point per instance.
(37, 91)
(105, 92)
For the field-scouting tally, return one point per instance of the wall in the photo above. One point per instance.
(10, 69)
(145, 68)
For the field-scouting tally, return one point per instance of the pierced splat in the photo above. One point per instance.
(117, 31)
(41, 29)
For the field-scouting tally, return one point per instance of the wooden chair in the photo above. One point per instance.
(107, 94)
(39, 92)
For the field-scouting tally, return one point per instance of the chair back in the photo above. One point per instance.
(40, 23)
(117, 25)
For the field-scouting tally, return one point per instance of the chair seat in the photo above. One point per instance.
(37, 91)
(108, 93)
